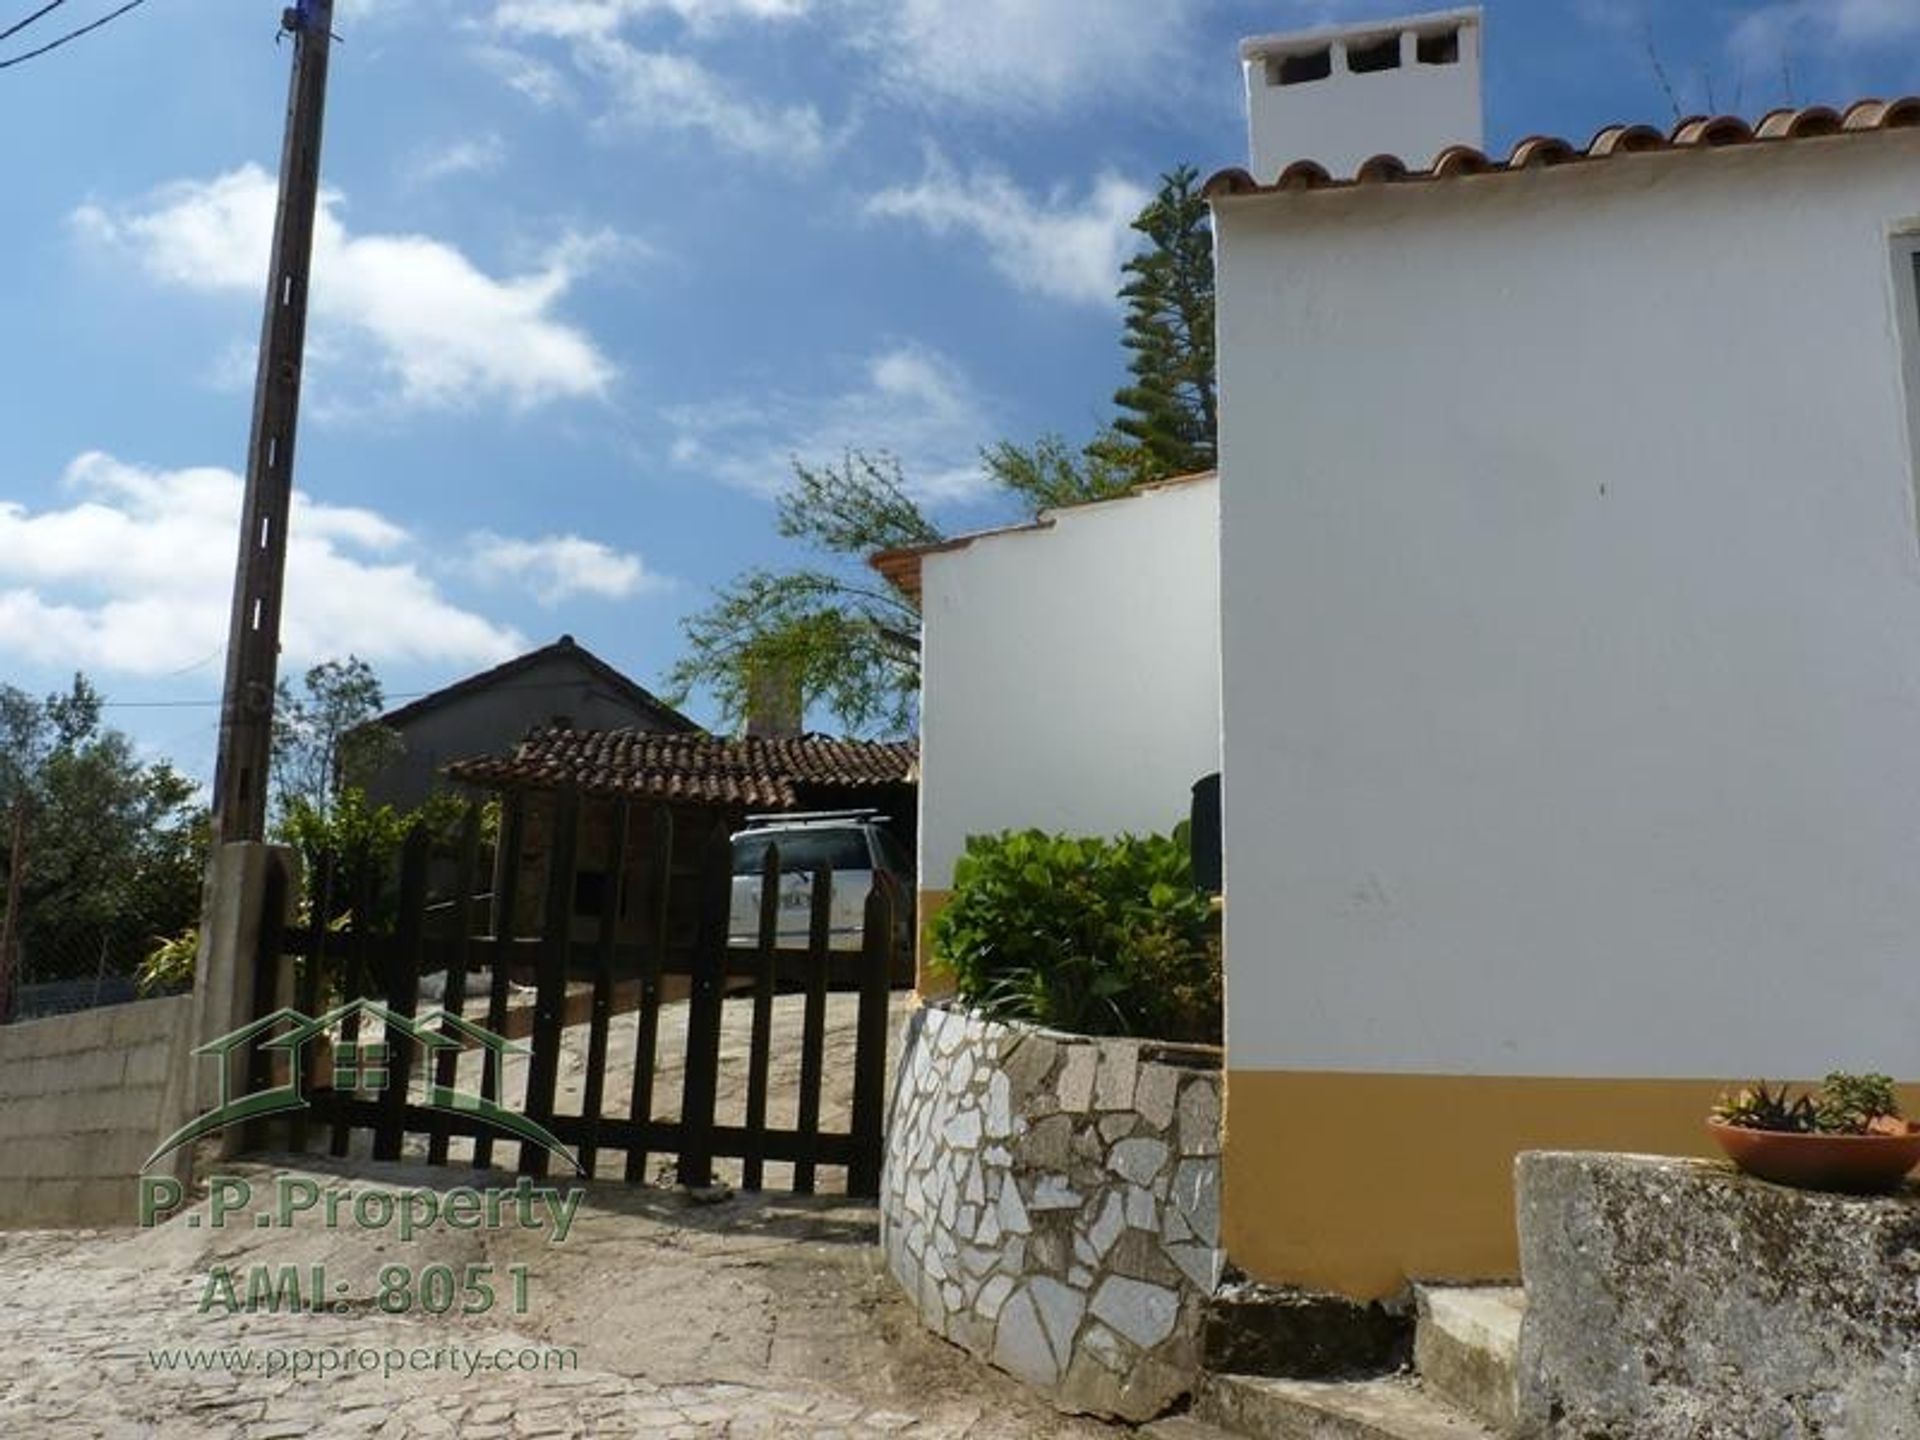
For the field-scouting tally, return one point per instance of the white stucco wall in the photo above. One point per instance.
(1072, 674)
(1572, 621)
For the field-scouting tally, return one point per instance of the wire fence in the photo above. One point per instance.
(83, 911)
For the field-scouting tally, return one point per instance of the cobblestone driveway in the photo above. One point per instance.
(754, 1317)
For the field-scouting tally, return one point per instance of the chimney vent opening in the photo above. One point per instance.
(1441, 47)
(1368, 57)
(1421, 82)
(1300, 68)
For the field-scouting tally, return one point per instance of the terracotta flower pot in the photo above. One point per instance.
(1849, 1164)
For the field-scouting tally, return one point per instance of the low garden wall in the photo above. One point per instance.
(82, 1100)
(1052, 1204)
(1677, 1298)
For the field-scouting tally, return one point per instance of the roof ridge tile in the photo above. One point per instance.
(1778, 126)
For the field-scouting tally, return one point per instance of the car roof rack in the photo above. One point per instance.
(814, 817)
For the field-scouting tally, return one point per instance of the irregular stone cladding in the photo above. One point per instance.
(1052, 1203)
(1680, 1300)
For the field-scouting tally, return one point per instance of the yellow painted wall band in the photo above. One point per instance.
(1357, 1183)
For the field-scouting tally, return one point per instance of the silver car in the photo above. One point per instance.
(855, 847)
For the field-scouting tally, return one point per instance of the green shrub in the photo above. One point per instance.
(1092, 935)
(169, 965)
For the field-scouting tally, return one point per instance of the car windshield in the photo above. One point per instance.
(802, 850)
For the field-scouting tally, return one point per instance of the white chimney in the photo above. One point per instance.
(1342, 94)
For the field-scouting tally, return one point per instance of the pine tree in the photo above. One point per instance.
(1168, 416)
(1169, 413)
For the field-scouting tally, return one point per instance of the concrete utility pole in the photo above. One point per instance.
(253, 636)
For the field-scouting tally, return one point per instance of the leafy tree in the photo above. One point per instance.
(337, 842)
(1049, 473)
(847, 641)
(324, 740)
(852, 646)
(115, 846)
(327, 747)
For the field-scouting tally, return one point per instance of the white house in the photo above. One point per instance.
(1571, 654)
(1070, 672)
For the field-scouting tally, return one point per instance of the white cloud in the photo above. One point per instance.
(577, 19)
(135, 576)
(660, 90)
(655, 89)
(538, 82)
(443, 332)
(474, 155)
(1057, 245)
(559, 567)
(1786, 29)
(1015, 58)
(907, 401)
(1026, 56)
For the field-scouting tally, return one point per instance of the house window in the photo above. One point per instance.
(1365, 57)
(1299, 69)
(1441, 47)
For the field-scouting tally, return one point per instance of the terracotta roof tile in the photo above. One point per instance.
(1695, 132)
(693, 769)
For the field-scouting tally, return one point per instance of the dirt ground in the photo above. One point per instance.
(783, 1087)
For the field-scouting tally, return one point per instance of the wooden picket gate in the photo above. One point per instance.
(624, 982)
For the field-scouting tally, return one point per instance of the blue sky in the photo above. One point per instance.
(591, 271)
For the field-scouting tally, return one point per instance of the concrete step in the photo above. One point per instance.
(1391, 1409)
(1466, 1346)
(1184, 1427)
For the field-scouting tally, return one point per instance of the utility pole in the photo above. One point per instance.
(253, 635)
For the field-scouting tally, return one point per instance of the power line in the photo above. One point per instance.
(70, 35)
(388, 698)
(15, 29)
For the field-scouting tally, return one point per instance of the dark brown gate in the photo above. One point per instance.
(656, 950)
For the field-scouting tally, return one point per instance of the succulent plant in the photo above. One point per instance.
(1760, 1106)
(1844, 1105)
(1851, 1104)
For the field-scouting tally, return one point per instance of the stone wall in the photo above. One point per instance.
(81, 1107)
(1052, 1204)
(1678, 1298)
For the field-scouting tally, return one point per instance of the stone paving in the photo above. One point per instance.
(753, 1317)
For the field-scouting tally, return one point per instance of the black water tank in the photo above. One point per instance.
(1205, 839)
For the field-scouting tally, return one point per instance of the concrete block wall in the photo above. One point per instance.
(81, 1106)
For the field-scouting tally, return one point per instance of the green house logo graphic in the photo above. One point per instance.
(363, 1068)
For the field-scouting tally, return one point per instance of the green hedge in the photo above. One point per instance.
(1092, 935)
